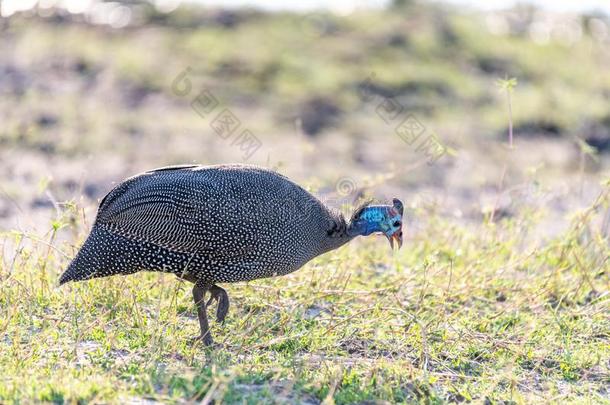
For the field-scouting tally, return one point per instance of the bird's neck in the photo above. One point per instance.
(337, 235)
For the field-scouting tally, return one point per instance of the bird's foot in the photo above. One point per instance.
(205, 339)
(220, 295)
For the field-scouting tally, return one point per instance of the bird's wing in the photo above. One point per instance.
(175, 215)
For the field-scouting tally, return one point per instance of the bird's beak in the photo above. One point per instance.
(396, 235)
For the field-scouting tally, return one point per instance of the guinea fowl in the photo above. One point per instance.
(218, 224)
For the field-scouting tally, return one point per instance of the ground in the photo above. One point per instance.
(499, 294)
(458, 314)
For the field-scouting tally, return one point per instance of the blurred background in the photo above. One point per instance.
(353, 98)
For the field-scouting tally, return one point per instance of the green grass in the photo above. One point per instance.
(460, 313)
(473, 308)
(439, 64)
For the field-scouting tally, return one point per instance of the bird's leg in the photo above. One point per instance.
(199, 297)
(217, 293)
(220, 295)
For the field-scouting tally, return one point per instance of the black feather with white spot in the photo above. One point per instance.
(217, 223)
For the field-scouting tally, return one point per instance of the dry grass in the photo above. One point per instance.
(460, 313)
(499, 295)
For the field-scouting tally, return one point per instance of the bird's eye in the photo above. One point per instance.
(396, 224)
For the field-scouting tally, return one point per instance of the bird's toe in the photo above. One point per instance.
(206, 340)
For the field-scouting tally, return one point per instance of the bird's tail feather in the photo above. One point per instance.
(103, 254)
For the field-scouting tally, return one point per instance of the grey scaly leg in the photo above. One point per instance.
(199, 297)
(217, 293)
(220, 295)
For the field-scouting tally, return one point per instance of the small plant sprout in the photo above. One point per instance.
(508, 85)
(585, 150)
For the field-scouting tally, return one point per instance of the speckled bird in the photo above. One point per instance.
(218, 224)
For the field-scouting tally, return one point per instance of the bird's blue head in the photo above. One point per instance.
(386, 219)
